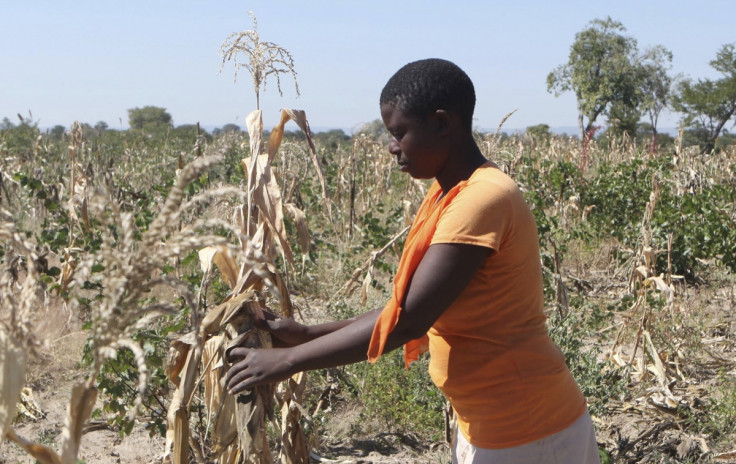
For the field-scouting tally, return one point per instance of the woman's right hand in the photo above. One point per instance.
(286, 332)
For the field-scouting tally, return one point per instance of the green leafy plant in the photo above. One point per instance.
(400, 400)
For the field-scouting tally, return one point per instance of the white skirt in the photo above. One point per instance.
(574, 445)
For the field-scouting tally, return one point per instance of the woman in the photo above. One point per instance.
(468, 287)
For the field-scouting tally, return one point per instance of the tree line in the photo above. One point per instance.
(612, 78)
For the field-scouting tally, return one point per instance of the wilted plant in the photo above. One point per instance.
(130, 260)
(262, 59)
(21, 292)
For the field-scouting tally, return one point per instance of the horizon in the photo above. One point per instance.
(571, 131)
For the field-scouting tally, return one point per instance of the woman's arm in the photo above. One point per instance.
(443, 273)
(287, 332)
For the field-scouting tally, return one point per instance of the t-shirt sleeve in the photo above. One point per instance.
(481, 214)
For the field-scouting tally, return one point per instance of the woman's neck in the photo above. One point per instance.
(461, 165)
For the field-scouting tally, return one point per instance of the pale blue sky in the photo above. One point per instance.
(92, 60)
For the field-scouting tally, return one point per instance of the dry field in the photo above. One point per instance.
(168, 243)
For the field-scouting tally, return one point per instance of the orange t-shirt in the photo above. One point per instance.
(490, 351)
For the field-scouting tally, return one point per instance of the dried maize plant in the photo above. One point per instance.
(644, 279)
(129, 264)
(7, 166)
(23, 303)
(242, 436)
(21, 296)
(375, 164)
(77, 205)
(264, 59)
(237, 425)
(293, 170)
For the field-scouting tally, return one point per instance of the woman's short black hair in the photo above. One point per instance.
(425, 86)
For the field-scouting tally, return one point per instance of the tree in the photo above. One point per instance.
(602, 70)
(656, 85)
(540, 131)
(228, 128)
(331, 139)
(150, 118)
(374, 130)
(623, 119)
(57, 132)
(20, 140)
(190, 132)
(264, 59)
(707, 104)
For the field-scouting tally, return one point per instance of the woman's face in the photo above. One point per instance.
(415, 142)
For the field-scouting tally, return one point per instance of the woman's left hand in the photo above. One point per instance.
(254, 367)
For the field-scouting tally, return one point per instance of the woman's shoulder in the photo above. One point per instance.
(489, 172)
(489, 184)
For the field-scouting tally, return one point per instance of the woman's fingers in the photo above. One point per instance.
(238, 370)
(239, 381)
(252, 367)
(262, 320)
(236, 354)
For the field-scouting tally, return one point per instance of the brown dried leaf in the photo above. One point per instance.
(277, 133)
(221, 257)
(85, 214)
(727, 456)
(80, 409)
(12, 377)
(367, 280)
(227, 266)
(28, 406)
(300, 219)
(659, 370)
(287, 308)
(266, 194)
(177, 417)
(218, 316)
(300, 118)
(294, 446)
(206, 258)
(254, 124)
(662, 286)
(177, 356)
(220, 406)
(67, 270)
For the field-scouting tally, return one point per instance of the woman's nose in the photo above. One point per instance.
(393, 147)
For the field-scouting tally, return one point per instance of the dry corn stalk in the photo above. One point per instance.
(122, 311)
(264, 59)
(18, 302)
(238, 424)
(16, 328)
(12, 376)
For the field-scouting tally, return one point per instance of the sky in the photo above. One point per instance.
(92, 60)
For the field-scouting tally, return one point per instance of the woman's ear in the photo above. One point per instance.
(443, 120)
